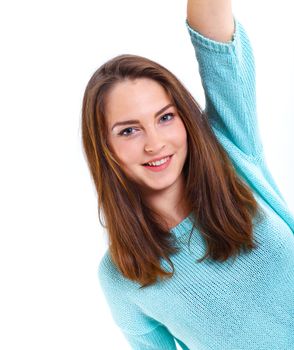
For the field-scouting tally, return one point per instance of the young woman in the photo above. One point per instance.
(201, 245)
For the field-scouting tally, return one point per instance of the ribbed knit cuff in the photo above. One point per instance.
(217, 46)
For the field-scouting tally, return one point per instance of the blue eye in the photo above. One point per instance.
(125, 132)
(130, 130)
(171, 115)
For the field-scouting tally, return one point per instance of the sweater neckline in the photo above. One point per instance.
(184, 226)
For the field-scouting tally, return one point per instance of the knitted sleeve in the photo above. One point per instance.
(141, 331)
(158, 338)
(227, 72)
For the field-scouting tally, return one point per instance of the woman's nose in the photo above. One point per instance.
(153, 143)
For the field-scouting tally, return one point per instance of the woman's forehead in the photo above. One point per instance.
(134, 99)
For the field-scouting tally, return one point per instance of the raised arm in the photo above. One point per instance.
(227, 71)
(212, 18)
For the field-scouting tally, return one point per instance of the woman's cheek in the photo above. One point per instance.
(178, 134)
(131, 151)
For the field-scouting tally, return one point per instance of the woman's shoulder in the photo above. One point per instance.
(106, 267)
(111, 278)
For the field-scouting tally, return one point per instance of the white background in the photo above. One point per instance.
(51, 240)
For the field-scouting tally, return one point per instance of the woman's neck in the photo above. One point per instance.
(170, 203)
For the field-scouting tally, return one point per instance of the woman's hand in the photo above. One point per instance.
(211, 18)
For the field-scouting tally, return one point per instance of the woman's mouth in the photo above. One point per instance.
(158, 165)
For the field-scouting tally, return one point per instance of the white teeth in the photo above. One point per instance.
(159, 162)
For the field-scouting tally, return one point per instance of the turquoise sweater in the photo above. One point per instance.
(235, 305)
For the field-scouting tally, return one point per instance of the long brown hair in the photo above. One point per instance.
(222, 204)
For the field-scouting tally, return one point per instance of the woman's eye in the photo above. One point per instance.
(126, 132)
(130, 131)
(167, 117)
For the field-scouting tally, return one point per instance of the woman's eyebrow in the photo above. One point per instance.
(136, 121)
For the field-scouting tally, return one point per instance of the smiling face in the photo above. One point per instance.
(144, 125)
